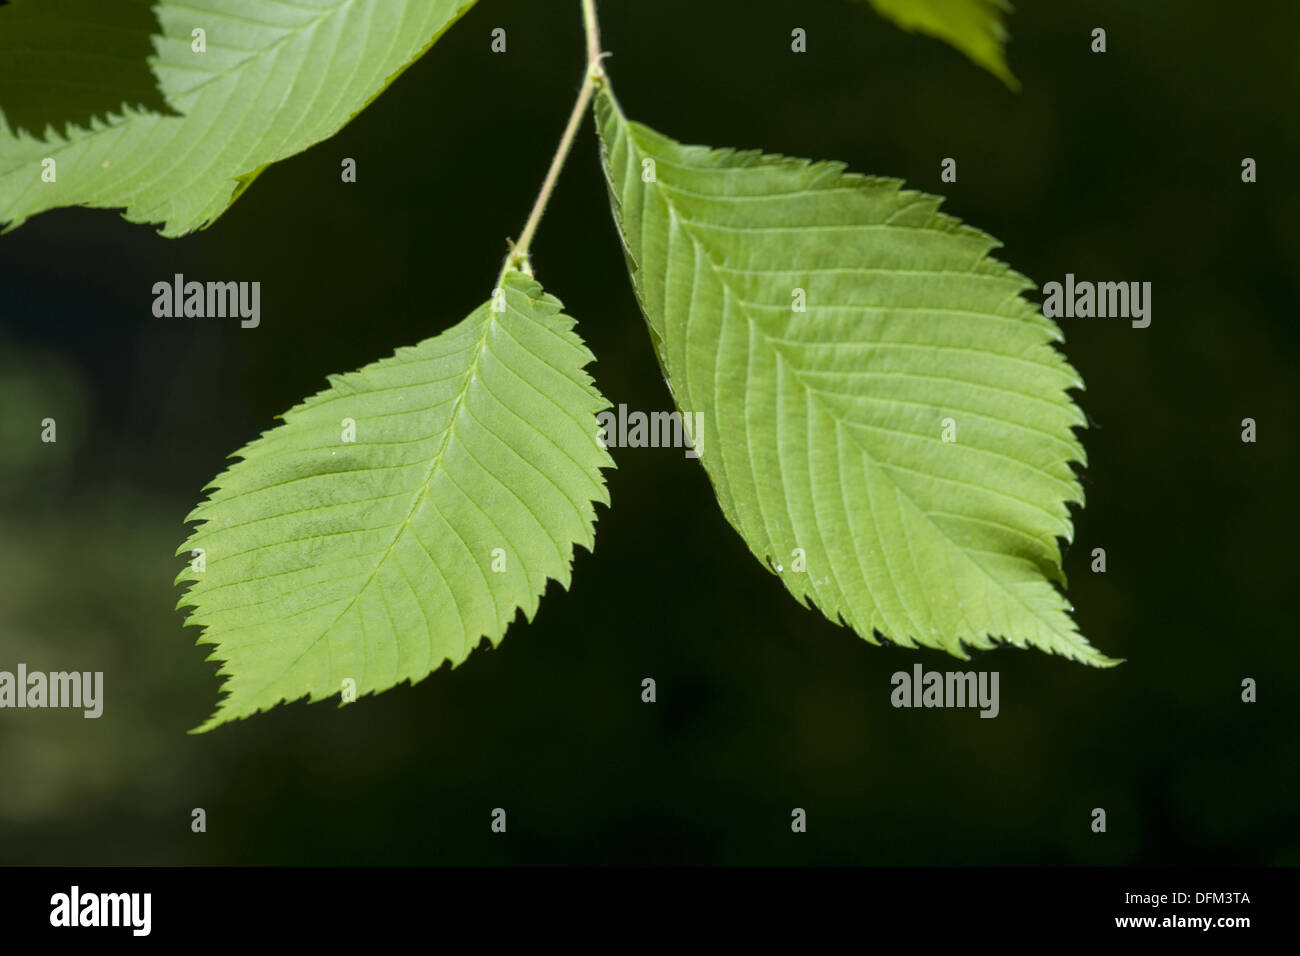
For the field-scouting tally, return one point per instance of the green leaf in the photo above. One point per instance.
(974, 27)
(474, 471)
(276, 78)
(823, 429)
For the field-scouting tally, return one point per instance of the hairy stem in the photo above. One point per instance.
(518, 257)
(592, 27)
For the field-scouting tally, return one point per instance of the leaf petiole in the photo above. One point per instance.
(517, 258)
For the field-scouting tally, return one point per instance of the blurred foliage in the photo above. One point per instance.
(69, 62)
(1119, 166)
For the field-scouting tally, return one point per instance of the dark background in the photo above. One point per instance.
(1122, 166)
